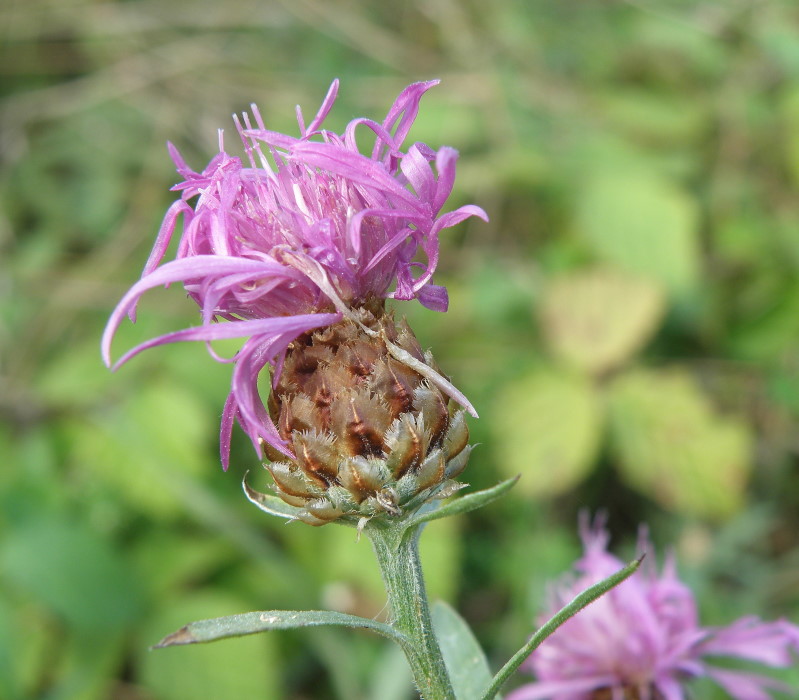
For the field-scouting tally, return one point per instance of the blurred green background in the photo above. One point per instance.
(627, 324)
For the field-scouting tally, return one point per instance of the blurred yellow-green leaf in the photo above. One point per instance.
(673, 446)
(644, 224)
(595, 319)
(25, 634)
(547, 426)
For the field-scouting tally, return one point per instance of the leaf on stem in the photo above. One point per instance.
(464, 504)
(264, 621)
(581, 601)
(466, 663)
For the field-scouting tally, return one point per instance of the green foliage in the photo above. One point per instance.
(627, 324)
(673, 447)
(147, 472)
(597, 319)
(465, 659)
(235, 668)
(391, 679)
(546, 428)
(645, 225)
(74, 573)
(245, 624)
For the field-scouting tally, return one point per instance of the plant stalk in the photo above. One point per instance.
(397, 554)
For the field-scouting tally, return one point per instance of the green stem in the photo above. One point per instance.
(398, 558)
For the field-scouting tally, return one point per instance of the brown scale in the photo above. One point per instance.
(407, 340)
(317, 457)
(408, 446)
(360, 422)
(361, 477)
(433, 406)
(394, 382)
(321, 389)
(297, 414)
(359, 358)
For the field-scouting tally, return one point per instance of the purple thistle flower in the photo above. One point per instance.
(294, 241)
(642, 640)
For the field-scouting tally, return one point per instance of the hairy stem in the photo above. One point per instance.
(398, 558)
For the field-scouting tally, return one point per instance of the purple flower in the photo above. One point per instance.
(308, 231)
(643, 641)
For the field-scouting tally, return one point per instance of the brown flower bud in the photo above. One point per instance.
(368, 432)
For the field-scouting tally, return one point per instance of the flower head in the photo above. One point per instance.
(371, 434)
(306, 231)
(642, 640)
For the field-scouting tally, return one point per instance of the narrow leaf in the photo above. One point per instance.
(264, 621)
(464, 504)
(466, 663)
(581, 601)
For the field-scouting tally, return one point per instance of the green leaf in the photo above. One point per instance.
(88, 665)
(546, 426)
(173, 561)
(237, 668)
(267, 620)
(26, 633)
(462, 504)
(596, 319)
(645, 225)
(466, 663)
(674, 447)
(74, 377)
(777, 40)
(772, 329)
